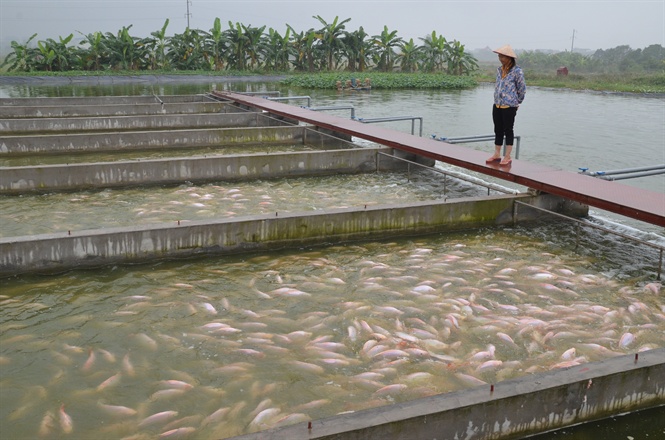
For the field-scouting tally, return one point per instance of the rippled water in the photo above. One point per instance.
(22, 161)
(237, 344)
(24, 215)
(225, 346)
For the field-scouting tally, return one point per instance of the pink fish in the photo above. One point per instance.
(127, 366)
(117, 410)
(177, 384)
(391, 354)
(87, 366)
(160, 417)
(176, 433)
(111, 381)
(569, 354)
(47, 424)
(626, 340)
(489, 365)
(66, 423)
(388, 390)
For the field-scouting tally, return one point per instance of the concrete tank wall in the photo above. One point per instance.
(73, 249)
(507, 410)
(11, 111)
(18, 180)
(158, 139)
(102, 100)
(24, 126)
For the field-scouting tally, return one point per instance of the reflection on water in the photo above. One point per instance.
(223, 346)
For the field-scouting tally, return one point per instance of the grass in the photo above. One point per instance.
(624, 83)
(328, 80)
(647, 83)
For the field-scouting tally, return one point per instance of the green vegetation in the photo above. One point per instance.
(626, 83)
(319, 57)
(382, 80)
(329, 48)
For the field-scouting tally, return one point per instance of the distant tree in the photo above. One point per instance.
(22, 58)
(409, 56)
(157, 48)
(331, 38)
(358, 50)
(215, 45)
(435, 52)
(92, 56)
(385, 44)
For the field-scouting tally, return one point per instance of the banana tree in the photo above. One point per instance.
(237, 41)
(358, 50)
(124, 53)
(187, 52)
(332, 40)
(435, 52)
(385, 44)
(255, 44)
(22, 58)
(459, 61)
(215, 45)
(156, 48)
(91, 56)
(277, 50)
(56, 55)
(409, 56)
(303, 49)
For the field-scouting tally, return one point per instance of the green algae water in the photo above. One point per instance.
(219, 347)
(216, 347)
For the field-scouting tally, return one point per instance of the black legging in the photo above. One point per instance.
(504, 119)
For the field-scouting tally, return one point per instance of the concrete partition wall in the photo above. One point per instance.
(42, 126)
(19, 180)
(158, 139)
(58, 111)
(103, 100)
(73, 249)
(511, 409)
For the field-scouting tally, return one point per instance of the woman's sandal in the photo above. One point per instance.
(493, 159)
(506, 161)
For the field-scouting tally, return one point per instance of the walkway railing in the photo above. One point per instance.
(659, 248)
(479, 138)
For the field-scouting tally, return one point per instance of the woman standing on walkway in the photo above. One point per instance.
(508, 95)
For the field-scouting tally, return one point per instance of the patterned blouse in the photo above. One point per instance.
(510, 90)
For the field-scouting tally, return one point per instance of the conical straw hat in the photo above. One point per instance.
(506, 50)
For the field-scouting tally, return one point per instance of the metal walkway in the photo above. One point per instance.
(640, 204)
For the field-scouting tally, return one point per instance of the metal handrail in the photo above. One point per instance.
(459, 176)
(396, 118)
(275, 92)
(479, 138)
(288, 98)
(335, 107)
(620, 234)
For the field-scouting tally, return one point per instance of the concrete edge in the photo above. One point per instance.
(506, 410)
(80, 249)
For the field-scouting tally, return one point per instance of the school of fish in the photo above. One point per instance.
(219, 347)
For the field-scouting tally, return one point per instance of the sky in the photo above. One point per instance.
(524, 24)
